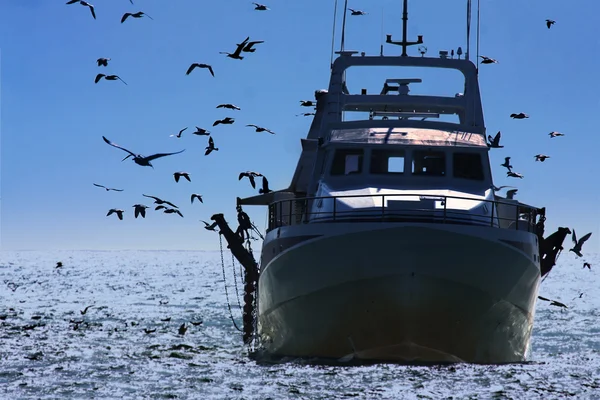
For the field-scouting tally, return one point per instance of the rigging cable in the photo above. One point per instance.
(333, 33)
(344, 25)
(225, 283)
(478, 14)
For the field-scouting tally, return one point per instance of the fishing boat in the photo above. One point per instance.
(391, 242)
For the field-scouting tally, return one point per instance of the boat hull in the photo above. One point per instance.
(400, 292)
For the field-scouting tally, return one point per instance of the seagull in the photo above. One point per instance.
(541, 157)
(196, 65)
(519, 116)
(230, 106)
(117, 211)
(211, 146)
(138, 158)
(579, 243)
(260, 7)
(59, 264)
(261, 129)
(250, 175)
(265, 186)
(356, 12)
(209, 227)
(173, 211)
(140, 209)
(555, 134)
(160, 201)
(85, 310)
(588, 265)
(179, 134)
(84, 3)
(549, 23)
(553, 302)
(495, 141)
(249, 47)
(307, 103)
(497, 189)
(514, 175)
(510, 194)
(304, 114)
(487, 60)
(507, 164)
(226, 121)
(201, 132)
(103, 62)
(186, 175)
(108, 78)
(196, 196)
(182, 329)
(108, 189)
(138, 14)
(236, 54)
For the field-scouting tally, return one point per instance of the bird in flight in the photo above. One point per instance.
(304, 114)
(108, 78)
(160, 201)
(487, 60)
(250, 175)
(494, 142)
(103, 62)
(209, 227)
(519, 116)
(579, 243)
(260, 7)
(261, 129)
(230, 106)
(307, 103)
(116, 211)
(178, 175)
(510, 194)
(249, 47)
(507, 163)
(108, 189)
(173, 211)
(236, 54)
(196, 196)
(197, 65)
(553, 302)
(587, 265)
(138, 14)
(265, 186)
(211, 146)
(84, 3)
(356, 12)
(201, 132)
(549, 23)
(140, 209)
(225, 121)
(514, 175)
(555, 134)
(541, 157)
(179, 134)
(138, 158)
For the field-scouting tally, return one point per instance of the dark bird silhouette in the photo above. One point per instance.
(261, 129)
(182, 329)
(507, 163)
(209, 227)
(201, 132)
(497, 189)
(541, 157)
(108, 189)
(587, 265)
(168, 319)
(178, 175)
(138, 14)
(179, 134)
(196, 196)
(197, 65)
(494, 142)
(487, 60)
(225, 121)
(149, 331)
(510, 194)
(579, 243)
(519, 116)
(211, 146)
(196, 323)
(138, 158)
(549, 23)
(160, 201)
(173, 211)
(307, 103)
(85, 310)
(356, 12)
(514, 175)
(108, 78)
(116, 211)
(103, 62)
(555, 134)
(59, 264)
(249, 47)
(140, 209)
(84, 3)
(260, 7)
(236, 54)
(265, 186)
(553, 302)
(229, 106)
(304, 114)
(250, 175)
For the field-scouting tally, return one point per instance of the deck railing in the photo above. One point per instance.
(499, 214)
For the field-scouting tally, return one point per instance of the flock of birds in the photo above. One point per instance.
(494, 143)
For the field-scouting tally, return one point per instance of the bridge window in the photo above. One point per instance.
(347, 161)
(387, 162)
(429, 163)
(468, 166)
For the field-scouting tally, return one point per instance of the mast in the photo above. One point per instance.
(404, 43)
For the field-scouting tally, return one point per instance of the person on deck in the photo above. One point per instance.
(244, 224)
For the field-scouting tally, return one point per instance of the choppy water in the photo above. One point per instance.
(49, 350)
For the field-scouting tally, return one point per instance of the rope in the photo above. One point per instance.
(333, 33)
(344, 26)
(237, 292)
(225, 283)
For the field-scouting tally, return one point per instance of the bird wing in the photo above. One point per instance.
(254, 126)
(176, 175)
(211, 70)
(116, 190)
(95, 184)
(92, 10)
(191, 68)
(98, 77)
(147, 16)
(136, 212)
(171, 204)
(181, 131)
(574, 238)
(152, 197)
(252, 182)
(125, 16)
(270, 131)
(583, 239)
(211, 142)
(158, 155)
(117, 146)
(507, 160)
(119, 78)
(242, 174)
(265, 183)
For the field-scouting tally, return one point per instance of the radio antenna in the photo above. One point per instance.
(333, 33)
(468, 29)
(344, 25)
(381, 47)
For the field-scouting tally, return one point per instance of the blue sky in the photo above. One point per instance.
(53, 116)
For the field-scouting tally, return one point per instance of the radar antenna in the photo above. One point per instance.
(404, 43)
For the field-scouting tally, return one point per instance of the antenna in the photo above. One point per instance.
(404, 43)
(468, 29)
(333, 33)
(344, 25)
(478, 15)
(381, 46)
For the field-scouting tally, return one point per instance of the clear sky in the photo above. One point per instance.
(53, 116)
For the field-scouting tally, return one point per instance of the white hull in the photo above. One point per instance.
(399, 292)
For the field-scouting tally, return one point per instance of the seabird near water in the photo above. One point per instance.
(549, 23)
(541, 157)
(260, 7)
(488, 60)
(103, 62)
(140, 209)
(579, 243)
(307, 103)
(173, 211)
(107, 188)
(201, 132)
(494, 142)
(160, 201)
(519, 116)
(225, 121)
(356, 12)
(553, 302)
(514, 175)
(555, 134)
(138, 158)
(261, 129)
(510, 194)
(197, 65)
(265, 186)
(178, 175)
(250, 175)
(229, 106)
(138, 14)
(84, 3)
(507, 163)
(209, 227)
(108, 78)
(116, 211)
(236, 54)
(179, 134)
(196, 196)
(211, 146)
(249, 47)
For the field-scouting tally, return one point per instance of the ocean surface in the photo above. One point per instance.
(127, 346)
